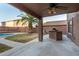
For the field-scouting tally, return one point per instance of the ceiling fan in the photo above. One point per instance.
(53, 7)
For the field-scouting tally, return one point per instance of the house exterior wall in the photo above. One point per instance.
(14, 24)
(62, 28)
(59, 25)
(74, 35)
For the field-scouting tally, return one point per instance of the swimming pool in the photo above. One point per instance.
(5, 34)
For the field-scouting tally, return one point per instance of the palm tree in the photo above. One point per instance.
(29, 19)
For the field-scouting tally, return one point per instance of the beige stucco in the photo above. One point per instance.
(14, 24)
(75, 29)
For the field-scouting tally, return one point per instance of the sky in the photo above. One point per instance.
(8, 12)
(55, 18)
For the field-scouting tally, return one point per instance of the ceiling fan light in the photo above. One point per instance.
(49, 12)
(54, 12)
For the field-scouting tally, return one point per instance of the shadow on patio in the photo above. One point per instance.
(48, 47)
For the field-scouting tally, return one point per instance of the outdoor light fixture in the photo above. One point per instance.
(52, 7)
(52, 11)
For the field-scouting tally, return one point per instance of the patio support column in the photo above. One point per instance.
(40, 30)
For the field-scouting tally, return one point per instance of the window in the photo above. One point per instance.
(70, 26)
(70, 21)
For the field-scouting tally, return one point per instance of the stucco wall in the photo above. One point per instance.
(62, 28)
(75, 29)
(14, 24)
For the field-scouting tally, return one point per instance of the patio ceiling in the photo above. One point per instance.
(39, 9)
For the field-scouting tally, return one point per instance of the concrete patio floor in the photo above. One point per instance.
(10, 43)
(48, 47)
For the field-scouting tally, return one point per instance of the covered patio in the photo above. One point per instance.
(40, 10)
(48, 47)
(43, 45)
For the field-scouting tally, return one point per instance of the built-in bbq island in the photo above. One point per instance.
(55, 34)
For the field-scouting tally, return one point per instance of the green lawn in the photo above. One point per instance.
(23, 38)
(4, 48)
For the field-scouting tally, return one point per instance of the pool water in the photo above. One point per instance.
(5, 34)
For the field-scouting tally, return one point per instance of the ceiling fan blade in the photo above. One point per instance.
(52, 5)
(61, 7)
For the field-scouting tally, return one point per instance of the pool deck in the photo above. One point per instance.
(49, 47)
(10, 43)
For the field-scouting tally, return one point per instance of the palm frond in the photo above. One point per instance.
(27, 18)
(17, 21)
(25, 22)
